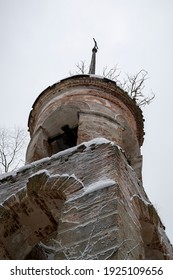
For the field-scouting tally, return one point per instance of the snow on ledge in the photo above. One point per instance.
(96, 141)
(101, 184)
(99, 140)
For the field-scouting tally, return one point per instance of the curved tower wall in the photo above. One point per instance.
(89, 107)
(87, 200)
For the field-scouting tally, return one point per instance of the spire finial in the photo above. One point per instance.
(93, 58)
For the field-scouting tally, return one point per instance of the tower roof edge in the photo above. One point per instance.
(93, 81)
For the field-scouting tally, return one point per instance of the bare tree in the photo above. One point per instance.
(80, 68)
(12, 145)
(132, 84)
(111, 73)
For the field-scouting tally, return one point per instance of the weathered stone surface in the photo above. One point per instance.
(152, 230)
(93, 107)
(33, 211)
(77, 205)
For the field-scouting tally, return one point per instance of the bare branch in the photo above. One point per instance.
(135, 84)
(112, 73)
(12, 144)
(132, 84)
(80, 68)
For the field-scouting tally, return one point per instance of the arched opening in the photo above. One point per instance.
(63, 141)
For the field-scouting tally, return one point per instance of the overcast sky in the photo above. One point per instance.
(42, 40)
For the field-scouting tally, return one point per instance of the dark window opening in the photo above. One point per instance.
(63, 141)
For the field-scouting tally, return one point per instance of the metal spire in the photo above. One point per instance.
(93, 58)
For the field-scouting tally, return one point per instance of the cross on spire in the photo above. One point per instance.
(93, 58)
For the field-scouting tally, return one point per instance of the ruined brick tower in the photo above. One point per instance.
(81, 196)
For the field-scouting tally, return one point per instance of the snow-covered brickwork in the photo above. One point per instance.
(77, 205)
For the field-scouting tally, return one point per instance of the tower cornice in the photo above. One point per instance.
(112, 93)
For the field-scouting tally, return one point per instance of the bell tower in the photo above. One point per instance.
(81, 195)
(81, 109)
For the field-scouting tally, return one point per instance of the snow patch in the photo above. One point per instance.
(64, 175)
(101, 184)
(65, 152)
(96, 76)
(39, 172)
(140, 198)
(96, 141)
(9, 174)
(99, 140)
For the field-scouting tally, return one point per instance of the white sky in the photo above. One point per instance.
(42, 40)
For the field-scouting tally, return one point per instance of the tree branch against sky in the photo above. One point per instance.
(132, 84)
(12, 148)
